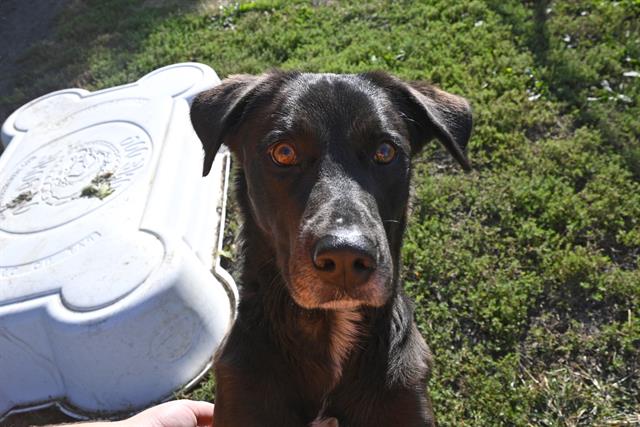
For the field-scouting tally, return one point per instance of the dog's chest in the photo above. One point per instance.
(344, 335)
(320, 348)
(324, 345)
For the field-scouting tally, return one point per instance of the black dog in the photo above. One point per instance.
(324, 334)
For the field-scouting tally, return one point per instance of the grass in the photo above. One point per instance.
(525, 272)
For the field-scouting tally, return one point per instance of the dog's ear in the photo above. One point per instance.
(430, 112)
(216, 112)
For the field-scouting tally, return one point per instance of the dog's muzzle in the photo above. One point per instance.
(340, 269)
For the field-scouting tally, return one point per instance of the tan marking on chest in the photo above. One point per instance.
(344, 334)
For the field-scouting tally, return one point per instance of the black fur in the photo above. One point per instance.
(315, 344)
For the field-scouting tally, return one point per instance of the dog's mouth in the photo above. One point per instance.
(315, 293)
(341, 304)
(311, 292)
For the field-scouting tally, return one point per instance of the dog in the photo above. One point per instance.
(324, 334)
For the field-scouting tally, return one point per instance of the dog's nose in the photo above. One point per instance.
(345, 260)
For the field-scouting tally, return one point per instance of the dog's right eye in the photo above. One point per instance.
(283, 154)
(384, 154)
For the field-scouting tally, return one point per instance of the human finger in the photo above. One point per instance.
(202, 410)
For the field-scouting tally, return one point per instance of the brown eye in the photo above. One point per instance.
(283, 154)
(385, 153)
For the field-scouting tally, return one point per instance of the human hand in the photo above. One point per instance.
(177, 413)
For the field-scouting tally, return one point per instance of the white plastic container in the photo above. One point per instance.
(107, 240)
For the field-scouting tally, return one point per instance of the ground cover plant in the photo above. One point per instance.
(525, 272)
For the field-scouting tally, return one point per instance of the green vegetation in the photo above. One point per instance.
(100, 186)
(525, 272)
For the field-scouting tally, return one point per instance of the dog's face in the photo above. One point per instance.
(326, 163)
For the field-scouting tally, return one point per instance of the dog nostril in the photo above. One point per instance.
(325, 264)
(362, 265)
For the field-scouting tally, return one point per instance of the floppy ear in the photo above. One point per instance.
(216, 112)
(431, 112)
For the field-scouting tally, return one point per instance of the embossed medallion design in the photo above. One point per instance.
(71, 176)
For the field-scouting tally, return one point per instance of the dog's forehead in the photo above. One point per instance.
(335, 101)
(307, 85)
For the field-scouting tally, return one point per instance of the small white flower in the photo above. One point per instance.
(624, 98)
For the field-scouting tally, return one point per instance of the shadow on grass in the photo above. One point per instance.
(582, 66)
(88, 33)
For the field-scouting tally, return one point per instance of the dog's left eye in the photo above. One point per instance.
(385, 153)
(283, 154)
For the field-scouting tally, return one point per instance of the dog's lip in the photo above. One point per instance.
(348, 289)
(341, 304)
(338, 297)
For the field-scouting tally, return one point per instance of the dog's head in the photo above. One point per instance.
(326, 163)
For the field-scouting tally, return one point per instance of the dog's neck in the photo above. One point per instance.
(320, 340)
